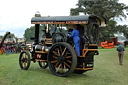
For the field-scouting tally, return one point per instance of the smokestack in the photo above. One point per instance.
(37, 14)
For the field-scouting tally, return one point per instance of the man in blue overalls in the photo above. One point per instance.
(76, 39)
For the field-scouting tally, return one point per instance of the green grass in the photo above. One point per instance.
(107, 71)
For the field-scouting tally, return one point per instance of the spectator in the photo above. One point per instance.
(6, 49)
(120, 50)
(9, 50)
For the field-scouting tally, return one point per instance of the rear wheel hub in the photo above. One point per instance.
(61, 59)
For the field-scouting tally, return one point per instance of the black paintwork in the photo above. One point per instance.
(66, 18)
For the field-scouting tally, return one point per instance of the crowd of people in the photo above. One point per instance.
(8, 49)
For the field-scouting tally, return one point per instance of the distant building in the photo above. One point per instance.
(20, 40)
(9, 40)
(120, 37)
(13, 40)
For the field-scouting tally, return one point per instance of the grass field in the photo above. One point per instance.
(107, 71)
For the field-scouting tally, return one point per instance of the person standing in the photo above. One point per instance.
(6, 49)
(76, 39)
(120, 50)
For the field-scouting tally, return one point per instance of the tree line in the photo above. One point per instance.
(10, 36)
(30, 32)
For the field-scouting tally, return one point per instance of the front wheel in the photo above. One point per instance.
(62, 59)
(24, 60)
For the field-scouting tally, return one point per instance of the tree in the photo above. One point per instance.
(30, 32)
(110, 9)
(123, 29)
(9, 36)
(1, 37)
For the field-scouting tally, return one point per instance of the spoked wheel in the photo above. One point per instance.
(43, 65)
(24, 60)
(62, 59)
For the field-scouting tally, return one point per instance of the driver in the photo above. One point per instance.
(76, 39)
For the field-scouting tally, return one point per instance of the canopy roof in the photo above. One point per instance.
(68, 20)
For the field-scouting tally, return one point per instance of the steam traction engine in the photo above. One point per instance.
(57, 51)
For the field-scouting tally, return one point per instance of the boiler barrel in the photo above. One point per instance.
(39, 48)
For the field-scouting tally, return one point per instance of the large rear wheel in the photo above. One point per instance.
(62, 59)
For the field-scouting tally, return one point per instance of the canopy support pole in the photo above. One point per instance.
(37, 33)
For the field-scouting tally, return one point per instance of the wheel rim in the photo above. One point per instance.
(61, 60)
(24, 60)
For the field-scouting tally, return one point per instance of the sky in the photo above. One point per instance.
(15, 15)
